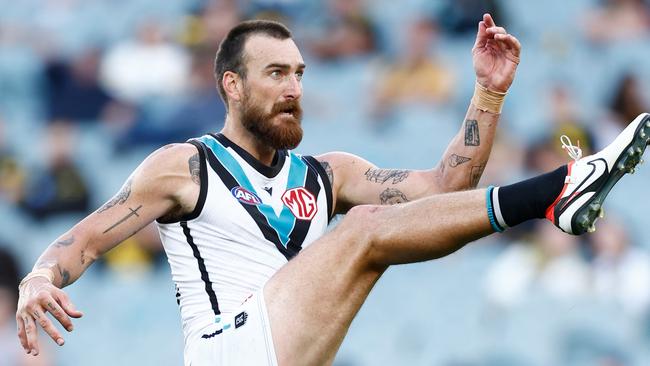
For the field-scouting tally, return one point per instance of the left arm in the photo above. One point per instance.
(356, 181)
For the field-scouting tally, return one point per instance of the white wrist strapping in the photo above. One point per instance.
(41, 272)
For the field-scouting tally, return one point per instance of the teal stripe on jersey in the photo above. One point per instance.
(285, 222)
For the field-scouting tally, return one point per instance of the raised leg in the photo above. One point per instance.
(312, 300)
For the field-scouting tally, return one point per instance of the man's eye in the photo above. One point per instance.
(299, 75)
(276, 74)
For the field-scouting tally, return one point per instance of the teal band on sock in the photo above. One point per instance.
(490, 210)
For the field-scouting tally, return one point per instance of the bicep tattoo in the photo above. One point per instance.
(119, 198)
(328, 171)
(472, 137)
(381, 176)
(391, 196)
(195, 168)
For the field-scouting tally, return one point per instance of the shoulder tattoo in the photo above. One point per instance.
(195, 168)
(328, 171)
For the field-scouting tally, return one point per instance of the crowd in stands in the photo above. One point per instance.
(137, 75)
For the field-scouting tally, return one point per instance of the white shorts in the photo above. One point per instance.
(240, 338)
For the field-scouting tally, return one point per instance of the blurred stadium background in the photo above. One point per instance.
(89, 87)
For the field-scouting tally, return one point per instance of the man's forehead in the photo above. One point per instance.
(262, 50)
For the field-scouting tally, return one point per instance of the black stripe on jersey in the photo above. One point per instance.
(269, 232)
(267, 171)
(301, 227)
(204, 272)
(203, 192)
(208, 336)
(316, 165)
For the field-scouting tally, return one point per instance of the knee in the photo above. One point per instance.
(362, 227)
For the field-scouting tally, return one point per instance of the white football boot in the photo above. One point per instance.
(590, 179)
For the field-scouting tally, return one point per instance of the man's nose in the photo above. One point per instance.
(293, 88)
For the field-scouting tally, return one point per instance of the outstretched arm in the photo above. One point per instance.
(355, 181)
(161, 185)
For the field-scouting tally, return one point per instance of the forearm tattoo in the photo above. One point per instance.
(475, 175)
(134, 212)
(472, 136)
(119, 199)
(65, 276)
(381, 176)
(195, 168)
(64, 243)
(391, 196)
(456, 160)
(328, 171)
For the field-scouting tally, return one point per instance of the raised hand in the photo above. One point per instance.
(495, 55)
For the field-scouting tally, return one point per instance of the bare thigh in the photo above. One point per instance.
(312, 300)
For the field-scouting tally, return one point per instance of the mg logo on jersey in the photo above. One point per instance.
(245, 196)
(301, 203)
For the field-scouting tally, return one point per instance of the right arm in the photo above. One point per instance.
(166, 183)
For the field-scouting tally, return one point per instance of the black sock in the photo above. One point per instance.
(528, 199)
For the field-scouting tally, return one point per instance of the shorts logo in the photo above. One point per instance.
(245, 196)
(240, 319)
(301, 203)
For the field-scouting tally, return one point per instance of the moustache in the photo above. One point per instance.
(290, 106)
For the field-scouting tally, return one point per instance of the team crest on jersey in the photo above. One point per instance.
(301, 203)
(245, 196)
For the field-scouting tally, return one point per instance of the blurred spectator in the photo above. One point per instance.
(12, 176)
(626, 104)
(11, 352)
(202, 110)
(59, 187)
(199, 111)
(148, 66)
(547, 153)
(459, 16)
(549, 262)
(621, 272)
(211, 24)
(349, 32)
(418, 76)
(617, 20)
(74, 92)
(138, 254)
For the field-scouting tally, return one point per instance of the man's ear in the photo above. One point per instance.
(233, 86)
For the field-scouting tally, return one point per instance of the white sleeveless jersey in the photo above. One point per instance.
(250, 219)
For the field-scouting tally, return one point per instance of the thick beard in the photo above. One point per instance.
(284, 134)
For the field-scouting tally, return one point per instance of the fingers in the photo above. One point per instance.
(489, 22)
(59, 314)
(67, 305)
(481, 35)
(22, 335)
(41, 319)
(31, 335)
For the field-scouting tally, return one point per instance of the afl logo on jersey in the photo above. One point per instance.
(245, 196)
(301, 203)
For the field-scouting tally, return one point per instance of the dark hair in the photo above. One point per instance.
(230, 56)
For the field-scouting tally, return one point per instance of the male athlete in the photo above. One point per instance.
(242, 218)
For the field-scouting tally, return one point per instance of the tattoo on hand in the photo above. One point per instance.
(381, 176)
(456, 160)
(328, 171)
(65, 276)
(475, 175)
(472, 137)
(391, 196)
(64, 243)
(83, 256)
(195, 168)
(132, 213)
(120, 198)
